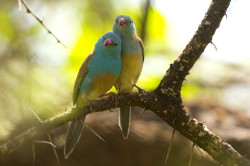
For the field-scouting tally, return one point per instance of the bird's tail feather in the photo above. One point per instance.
(124, 120)
(73, 135)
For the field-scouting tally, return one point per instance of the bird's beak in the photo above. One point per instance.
(122, 22)
(107, 42)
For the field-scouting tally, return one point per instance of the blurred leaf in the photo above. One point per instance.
(6, 29)
(156, 26)
(157, 30)
(190, 91)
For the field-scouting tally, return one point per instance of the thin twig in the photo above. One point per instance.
(191, 155)
(199, 149)
(144, 20)
(169, 148)
(49, 137)
(33, 153)
(19, 4)
(45, 142)
(28, 10)
(214, 46)
(54, 149)
(95, 133)
(37, 117)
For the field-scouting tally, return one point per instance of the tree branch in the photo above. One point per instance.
(165, 101)
(203, 36)
(144, 20)
(28, 10)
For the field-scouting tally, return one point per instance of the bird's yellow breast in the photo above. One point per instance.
(131, 70)
(100, 85)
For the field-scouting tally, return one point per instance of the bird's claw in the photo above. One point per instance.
(139, 89)
(113, 96)
(107, 94)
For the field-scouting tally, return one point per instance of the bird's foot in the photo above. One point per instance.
(108, 94)
(113, 95)
(139, 89)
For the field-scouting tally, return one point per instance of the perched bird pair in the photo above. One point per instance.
(117, 60)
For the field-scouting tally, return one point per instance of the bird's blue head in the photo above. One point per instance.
(109, 43)
(124, 26)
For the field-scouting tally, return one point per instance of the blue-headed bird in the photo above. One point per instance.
(132, 54)
(97, 75)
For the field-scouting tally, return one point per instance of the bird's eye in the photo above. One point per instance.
(115, 44)
(130, 22)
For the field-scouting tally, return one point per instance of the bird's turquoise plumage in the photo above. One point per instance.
(132, 54)
(96, 76)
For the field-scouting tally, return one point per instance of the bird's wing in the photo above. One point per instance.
(81, 74)
(142, 47)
